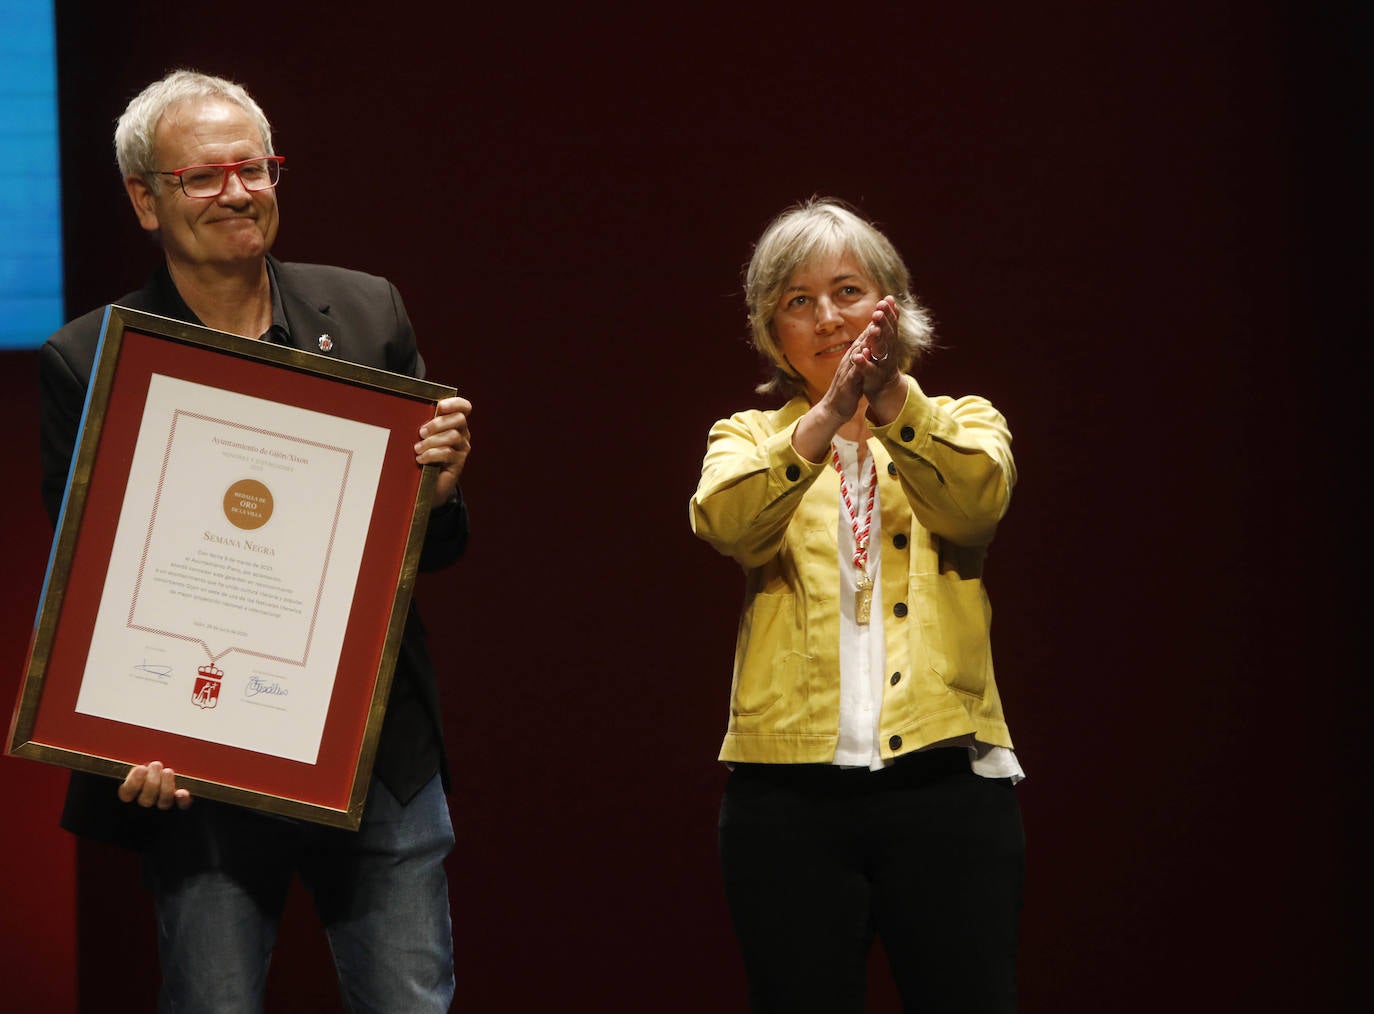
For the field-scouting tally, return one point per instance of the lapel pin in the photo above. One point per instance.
(326, 343)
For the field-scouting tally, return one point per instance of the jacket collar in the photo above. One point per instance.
(312, 328)
(308, 322)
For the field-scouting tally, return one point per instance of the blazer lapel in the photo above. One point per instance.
(312, 328)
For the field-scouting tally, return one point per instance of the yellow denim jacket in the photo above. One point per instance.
(945, 474)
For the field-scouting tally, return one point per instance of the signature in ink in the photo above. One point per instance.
(159, 671)
(257, 685)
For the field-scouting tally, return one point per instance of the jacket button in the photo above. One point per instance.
(899, 540)
(896, 678)
(899, 609)
(793, 473)
(908, 434)
(892, 468)
(895, 743)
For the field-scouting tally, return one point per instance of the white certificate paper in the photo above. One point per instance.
(233, 570)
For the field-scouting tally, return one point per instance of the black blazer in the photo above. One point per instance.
(364, 317)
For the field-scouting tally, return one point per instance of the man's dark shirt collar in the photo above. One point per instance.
(279, 332)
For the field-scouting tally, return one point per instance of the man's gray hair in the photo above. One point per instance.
(134, 133)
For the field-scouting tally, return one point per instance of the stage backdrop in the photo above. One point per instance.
(1124, 218)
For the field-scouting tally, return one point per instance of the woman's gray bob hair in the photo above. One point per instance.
(816, 228)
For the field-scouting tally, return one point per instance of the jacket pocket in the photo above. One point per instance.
(963, 616)
(768, 667)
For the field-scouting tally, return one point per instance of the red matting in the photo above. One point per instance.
(329, 781)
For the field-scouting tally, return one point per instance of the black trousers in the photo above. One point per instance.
(926, 855)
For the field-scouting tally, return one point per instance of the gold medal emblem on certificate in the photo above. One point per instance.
(248, 504)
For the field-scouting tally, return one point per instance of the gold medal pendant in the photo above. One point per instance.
(863, 598)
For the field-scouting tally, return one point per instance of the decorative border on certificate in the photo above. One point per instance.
(232, 569)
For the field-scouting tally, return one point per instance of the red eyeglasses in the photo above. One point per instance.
(205, 181)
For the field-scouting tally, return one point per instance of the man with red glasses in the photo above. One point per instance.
(196, 156)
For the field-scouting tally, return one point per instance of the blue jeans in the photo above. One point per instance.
(220, 883)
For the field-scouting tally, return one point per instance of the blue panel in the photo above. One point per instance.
(30, 178)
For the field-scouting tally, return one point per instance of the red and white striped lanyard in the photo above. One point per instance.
(863, 595)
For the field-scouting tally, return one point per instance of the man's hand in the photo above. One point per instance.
(154, 785)
(444, 441)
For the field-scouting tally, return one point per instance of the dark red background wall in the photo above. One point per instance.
(1132, 224)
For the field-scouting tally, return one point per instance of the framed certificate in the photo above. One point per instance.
(232, 569)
